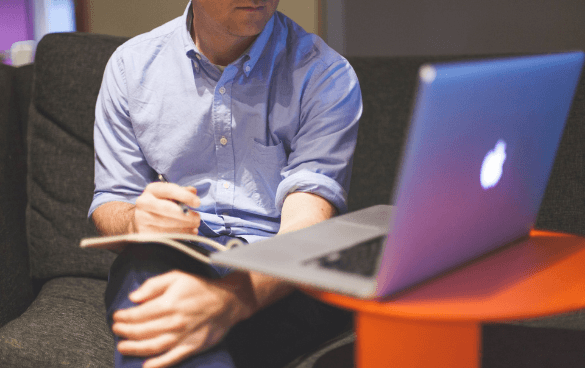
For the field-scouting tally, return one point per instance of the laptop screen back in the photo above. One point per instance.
(480, 149)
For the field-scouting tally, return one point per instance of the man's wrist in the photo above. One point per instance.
(114, 218)
(251, 292)
(243, 298)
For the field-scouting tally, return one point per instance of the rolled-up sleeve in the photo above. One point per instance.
(121, 171)
(321, 156)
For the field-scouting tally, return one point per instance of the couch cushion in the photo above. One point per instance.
(15, 283)
(68, 74)
(64, 327)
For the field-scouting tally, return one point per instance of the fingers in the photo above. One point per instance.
(157, 211)
(174, 192)
(177, 223)
(172, 348)
(152, 301)
(153, 287)
(163, 199)
(142, 313)
(178, 315)
(169, 324)
(148, 347)
(154, 304)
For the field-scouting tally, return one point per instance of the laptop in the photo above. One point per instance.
(481, 144)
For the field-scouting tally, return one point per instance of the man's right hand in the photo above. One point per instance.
(156, 211)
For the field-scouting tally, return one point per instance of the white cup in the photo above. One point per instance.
(22, 52)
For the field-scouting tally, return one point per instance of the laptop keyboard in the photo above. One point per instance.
(358, 259)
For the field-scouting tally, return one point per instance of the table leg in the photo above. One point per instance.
(399, 342)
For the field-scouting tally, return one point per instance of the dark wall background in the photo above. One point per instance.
(425, 27)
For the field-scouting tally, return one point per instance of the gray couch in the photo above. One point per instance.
(51, 292)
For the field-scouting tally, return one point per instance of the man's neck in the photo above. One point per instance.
(220, 48)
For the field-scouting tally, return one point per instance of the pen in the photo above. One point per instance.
(183, 206)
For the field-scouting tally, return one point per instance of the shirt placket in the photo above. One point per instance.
(222, 120)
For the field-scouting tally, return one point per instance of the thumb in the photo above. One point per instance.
(152, 288)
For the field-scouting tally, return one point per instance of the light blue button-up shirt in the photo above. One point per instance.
(281, 118)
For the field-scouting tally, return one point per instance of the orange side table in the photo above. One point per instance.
(438, 324)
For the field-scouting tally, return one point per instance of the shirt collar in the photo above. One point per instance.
(250, 56)
(255, 51)
(188, 43)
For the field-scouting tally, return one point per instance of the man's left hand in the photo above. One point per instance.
(180, 314)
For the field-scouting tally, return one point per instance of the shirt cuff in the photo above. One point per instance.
(101, 198)
(310, 182)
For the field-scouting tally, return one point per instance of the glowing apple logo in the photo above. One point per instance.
(491, 168)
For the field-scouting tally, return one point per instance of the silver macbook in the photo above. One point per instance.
(481, 145)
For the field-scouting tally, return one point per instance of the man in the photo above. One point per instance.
(254, 123)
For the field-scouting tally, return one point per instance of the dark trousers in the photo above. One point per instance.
(272, 337)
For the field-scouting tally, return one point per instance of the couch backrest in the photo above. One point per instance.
(68, 74)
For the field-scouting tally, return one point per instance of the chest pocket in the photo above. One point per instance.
(266, 165)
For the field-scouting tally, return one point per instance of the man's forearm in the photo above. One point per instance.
(300, 210)
(114, 218)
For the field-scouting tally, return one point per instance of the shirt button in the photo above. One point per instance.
(222, 90)
(223, 141)
(225, 214)
(226, 185)
(198, 56)
(247, 68)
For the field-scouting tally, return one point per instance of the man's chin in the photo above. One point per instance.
(248, 32)
(247, 28)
